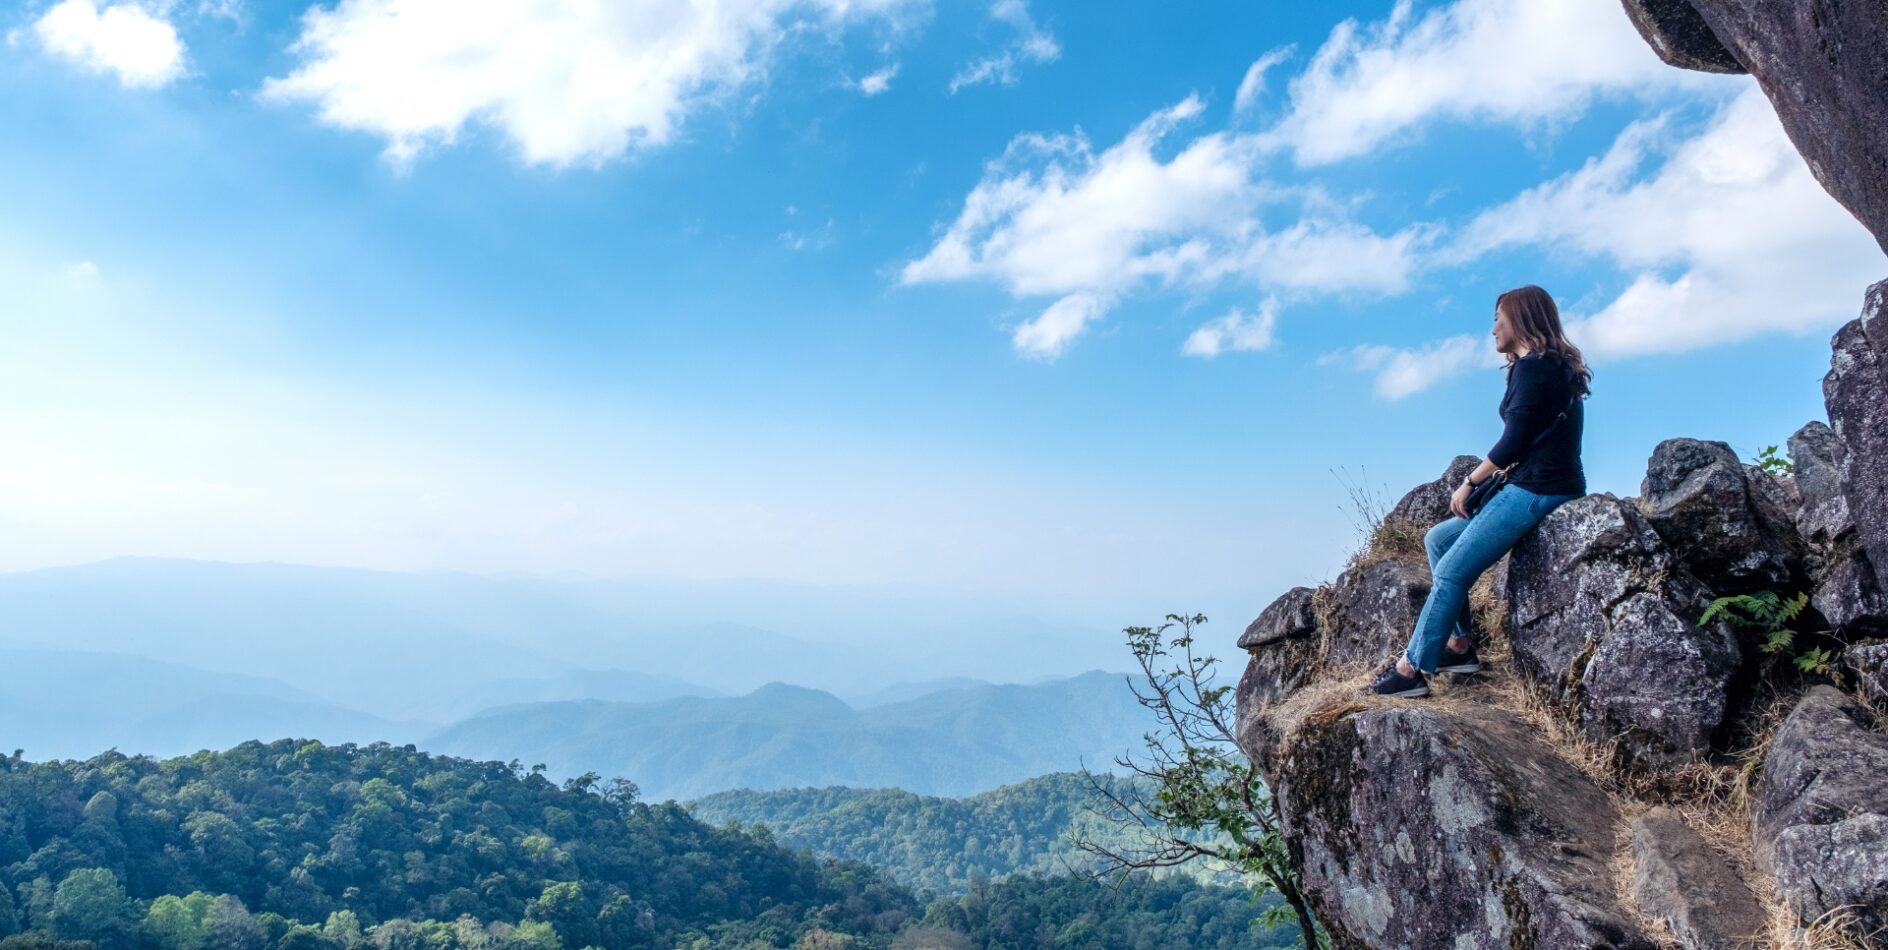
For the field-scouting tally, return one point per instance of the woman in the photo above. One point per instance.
(1542, 415)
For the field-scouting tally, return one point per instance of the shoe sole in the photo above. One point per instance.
(1410, 693)
(1460, 668)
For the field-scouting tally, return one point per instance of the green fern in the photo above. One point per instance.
(1766, 610)
(1778, 641)
(1770, 614)
(1819, 661)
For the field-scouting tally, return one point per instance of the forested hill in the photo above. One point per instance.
(299, 846)
(940, 844)
(319, 841)
(923, 841)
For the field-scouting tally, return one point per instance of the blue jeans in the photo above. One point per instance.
(1460, 549)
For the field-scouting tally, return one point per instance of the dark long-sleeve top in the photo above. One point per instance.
(1540, 387)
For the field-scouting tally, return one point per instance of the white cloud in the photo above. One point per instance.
(1401, 372)
(1724, 237)
(1321, 255)
(134, 42)
(1054, 217)
(1253, 84)
(1729, 237)
(566, 81)
(1032, 44)
(1067, 219)
(878, 82)
(1237, 331)
(1496, 60)
(1050, 332)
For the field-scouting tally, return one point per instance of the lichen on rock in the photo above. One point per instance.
(1604, 617)
(1432, 827)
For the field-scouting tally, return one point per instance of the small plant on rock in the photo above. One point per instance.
(1819, 661)
(1766, 611)
(1770, 615)
(1774, 463)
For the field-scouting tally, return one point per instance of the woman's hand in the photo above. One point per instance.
(1458, 502)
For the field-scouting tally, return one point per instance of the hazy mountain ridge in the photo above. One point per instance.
(435, 646)
(952, 742)
(75, 704)
(72, 704)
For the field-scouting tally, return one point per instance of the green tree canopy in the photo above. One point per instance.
(91, 905)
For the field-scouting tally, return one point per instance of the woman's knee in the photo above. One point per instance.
(1439, 538)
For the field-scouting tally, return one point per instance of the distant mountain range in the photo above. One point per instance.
(952, 742)
(71, 704)
(441, 646)
(170, 657)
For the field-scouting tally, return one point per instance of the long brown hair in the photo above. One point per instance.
(1536, 320)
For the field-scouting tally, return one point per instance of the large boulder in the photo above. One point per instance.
(1842, 580)
(1783, 496)
(1849, 599)
(1824, 514)
(1428, 503)
(1821, 62)
(1294, 614)
(1283, 644)
(1820, 817)
(1700, 500)
(1601, 614)
(1374, 610)
(1416, 826)
(1856, 395)
(1273, 673)
(1684, 883)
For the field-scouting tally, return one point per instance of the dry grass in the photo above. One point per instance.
(1326, 699)
(1490, 612)
(1324, 606)
(1388, 539)
(1835, 930)
(1599, 761)
(1625, 867)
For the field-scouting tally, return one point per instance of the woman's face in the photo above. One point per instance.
(1505, 337)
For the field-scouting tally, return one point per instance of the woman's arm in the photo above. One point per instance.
(1530, 412)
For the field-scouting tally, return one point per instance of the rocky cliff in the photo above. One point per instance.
(1824, 66)
(1624, 774)
(1641, 764)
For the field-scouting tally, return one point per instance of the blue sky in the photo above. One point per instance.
(1061, 301)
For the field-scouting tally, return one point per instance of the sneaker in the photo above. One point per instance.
(1393, 683)
(1463, 662)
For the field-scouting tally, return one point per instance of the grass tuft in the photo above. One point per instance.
(1391, 539)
